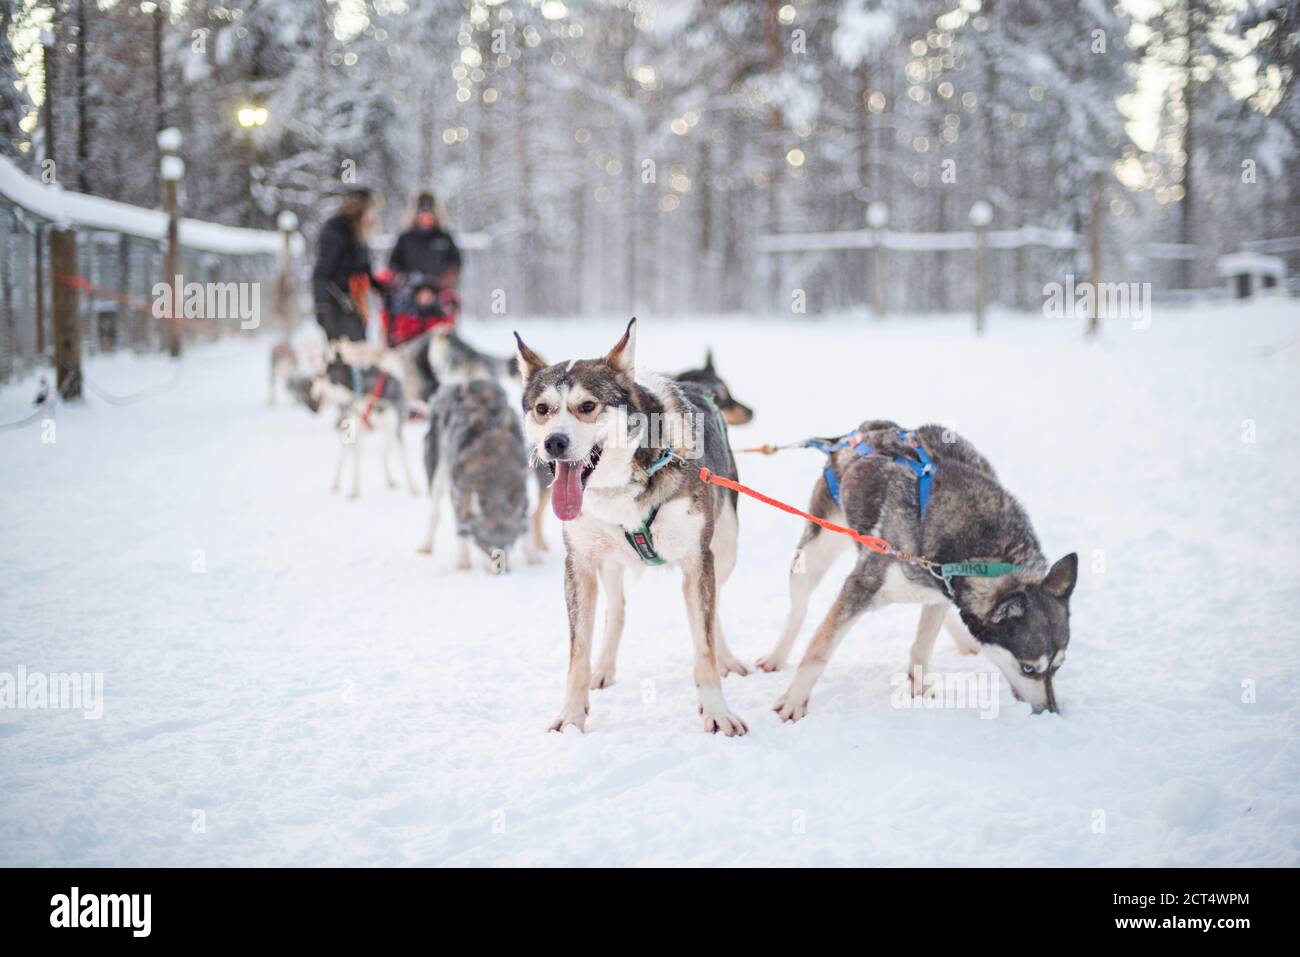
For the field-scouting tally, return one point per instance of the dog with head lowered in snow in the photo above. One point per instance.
(1020, 620)
(625, 449)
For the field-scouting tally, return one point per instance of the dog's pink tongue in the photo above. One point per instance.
(566, 491)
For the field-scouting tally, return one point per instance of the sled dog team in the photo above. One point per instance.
(626, 501)
(617, 452)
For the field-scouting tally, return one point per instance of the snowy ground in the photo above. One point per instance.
(322, 695)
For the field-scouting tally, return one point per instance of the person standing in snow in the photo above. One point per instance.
(342, 277)
(428, 259)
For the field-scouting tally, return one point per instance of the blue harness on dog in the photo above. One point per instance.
(922, 466)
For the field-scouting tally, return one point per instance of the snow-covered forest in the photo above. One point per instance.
(621, 155)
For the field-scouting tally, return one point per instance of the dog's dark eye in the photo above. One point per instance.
(587, 407)
(541, 408)
(1028, 670)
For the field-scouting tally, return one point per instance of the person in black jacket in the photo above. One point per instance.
(343, 273)
(425, 253)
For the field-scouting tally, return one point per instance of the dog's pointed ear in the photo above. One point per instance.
(1013, 606)
(708, 359)
(623, 356)
(1061, 578)
(529, 362)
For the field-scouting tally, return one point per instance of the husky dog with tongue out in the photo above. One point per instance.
(626, 450)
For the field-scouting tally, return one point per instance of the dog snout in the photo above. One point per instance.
(737, 414)
(556, 445)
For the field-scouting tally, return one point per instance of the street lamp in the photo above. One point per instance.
(287, 223)
(250, 117)
(171, 170)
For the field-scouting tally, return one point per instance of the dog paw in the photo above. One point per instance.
(771, 664)
(576, 718)
(917, 686)
(731, 666)
(791, 709)
(726, 723)
(602, 678)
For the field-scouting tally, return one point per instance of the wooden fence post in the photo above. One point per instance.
(67, 328)
(1094, 252)
(877, 219)
(981, 214)
(39, 270)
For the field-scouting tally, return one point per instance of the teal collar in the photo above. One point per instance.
(666, 456)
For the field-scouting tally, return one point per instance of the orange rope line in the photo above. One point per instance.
(875, 544)
(85, 285)
(374, 397)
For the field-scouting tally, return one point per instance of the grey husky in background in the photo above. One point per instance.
(593, 422)
(1021, 621)
(440, 357)
(474, 452)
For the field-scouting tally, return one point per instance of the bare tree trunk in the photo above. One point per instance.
(83, 146)
(704, 261)
(775, 51)
(1186, 222)
(428, 130)
(159, 102)
(50, 63)
(531, 251)
(861, 92)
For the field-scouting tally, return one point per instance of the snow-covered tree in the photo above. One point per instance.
(15, 103)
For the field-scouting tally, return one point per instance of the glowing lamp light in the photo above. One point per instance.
(877, 214)
(250, 116)
(981, 213)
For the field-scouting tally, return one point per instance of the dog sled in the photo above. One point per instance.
(413, 304)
